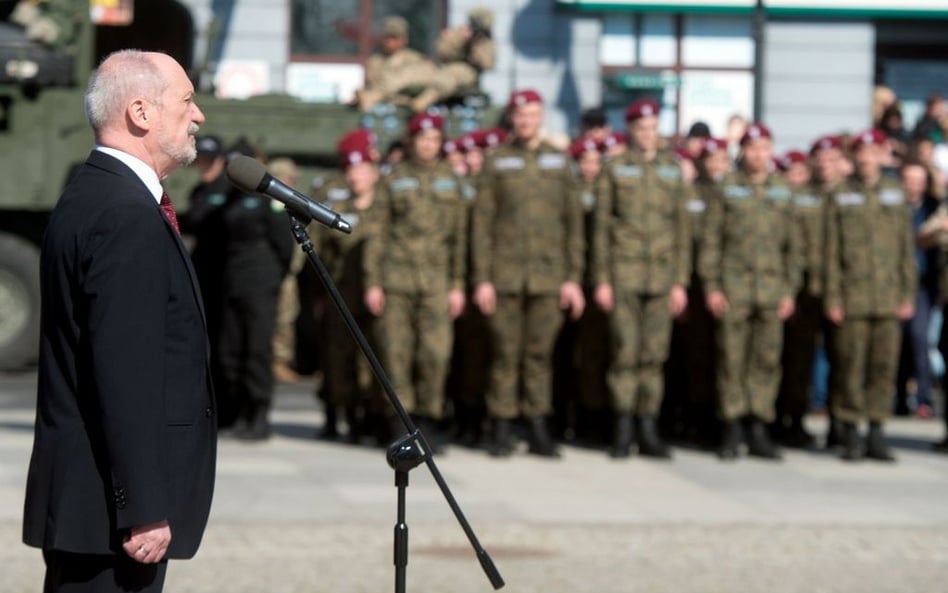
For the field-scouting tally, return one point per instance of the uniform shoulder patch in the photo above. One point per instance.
(737, 192)
(628, 171)
(696, 206)
(806, 201)
(778, 193)
(850, 199)
(551, 160)
(404, 184)
(444, 184)
(891, 196)
(507, 163)
(337, 194)
(669, 172)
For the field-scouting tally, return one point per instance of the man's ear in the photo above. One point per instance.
(141, 113)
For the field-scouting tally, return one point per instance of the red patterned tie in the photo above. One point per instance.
(168, 208)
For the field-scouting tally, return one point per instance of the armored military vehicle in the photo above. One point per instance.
(44, 135)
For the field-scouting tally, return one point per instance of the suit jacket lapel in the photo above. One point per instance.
(105, 161)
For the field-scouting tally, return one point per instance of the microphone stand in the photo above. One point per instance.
(407, 452)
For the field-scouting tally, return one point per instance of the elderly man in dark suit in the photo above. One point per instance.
(124, 453)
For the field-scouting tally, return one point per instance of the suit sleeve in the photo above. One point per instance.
(127, 284)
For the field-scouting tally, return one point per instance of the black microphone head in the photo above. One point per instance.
(247, 173)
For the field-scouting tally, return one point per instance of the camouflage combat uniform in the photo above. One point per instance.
(642, 247)
(417, 256)
(870, 271)
(750, 253)
(527, 242)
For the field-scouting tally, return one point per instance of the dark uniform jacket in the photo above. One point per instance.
(125, 424)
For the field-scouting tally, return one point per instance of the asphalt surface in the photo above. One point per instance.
(295, 515)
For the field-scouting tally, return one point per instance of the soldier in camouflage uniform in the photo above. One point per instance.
(464, 53)
(395, 70)
(348, 384)
(871, 278)
(749, 264)
(830, 169)
(641, 264)
(414, 270)
(804, 326)
(527, 258)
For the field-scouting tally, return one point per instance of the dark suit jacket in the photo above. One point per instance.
(125, 423)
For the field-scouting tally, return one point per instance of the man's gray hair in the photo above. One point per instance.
(122, 77)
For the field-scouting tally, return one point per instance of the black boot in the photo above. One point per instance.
(258, 425)
(759, 443)
(650, 444)
(796, 435)
(330, 429)
(622, 436)
(835, 437)
(731, 437)
(502, 443)
(429, 427)
(850, 441)
(540, 441)
(876, 447)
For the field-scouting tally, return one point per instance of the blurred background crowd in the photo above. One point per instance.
(709, 356)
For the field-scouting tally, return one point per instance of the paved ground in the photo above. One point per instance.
(294, 515)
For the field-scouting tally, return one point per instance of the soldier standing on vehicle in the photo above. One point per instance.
(463, 54)
(414, 270)
(871, 278)
(527, 259)
(641, 264)
(749, 264)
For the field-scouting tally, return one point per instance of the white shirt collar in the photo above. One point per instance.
(143, 171)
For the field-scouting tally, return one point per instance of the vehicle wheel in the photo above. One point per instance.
(19, 302)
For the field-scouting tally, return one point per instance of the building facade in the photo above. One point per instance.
(806, 67)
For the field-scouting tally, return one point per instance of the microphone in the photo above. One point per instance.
(251, 176)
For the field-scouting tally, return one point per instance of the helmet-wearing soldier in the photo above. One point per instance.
(641, 264)
(871, 278)
(348, 384)
(527, 258)
(749, 264)
(803, 328)
(414, 269)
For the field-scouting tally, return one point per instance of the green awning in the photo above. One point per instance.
(861, 9)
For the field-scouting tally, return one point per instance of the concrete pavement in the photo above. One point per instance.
(295, 514)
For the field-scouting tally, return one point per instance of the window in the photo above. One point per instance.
(347, 30)
(698, 67)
